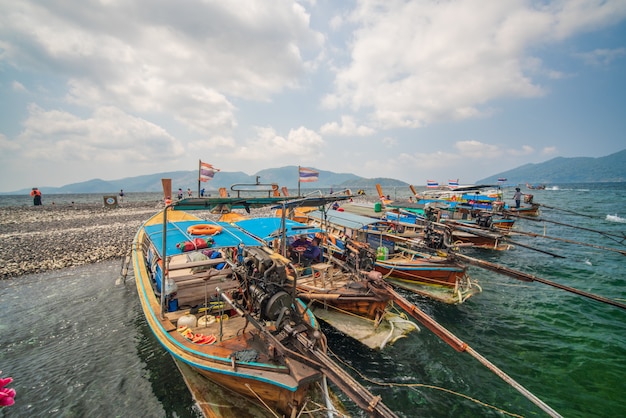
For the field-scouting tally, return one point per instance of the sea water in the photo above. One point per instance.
(77, 344)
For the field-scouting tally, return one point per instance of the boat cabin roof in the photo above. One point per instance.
(269, 228)
(230, 236)
(345, 219)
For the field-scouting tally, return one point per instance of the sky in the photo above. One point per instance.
(410, 90)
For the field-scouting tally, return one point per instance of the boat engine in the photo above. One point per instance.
(263, 268)
(433, 239)
(265, 279)
(359, 256)
(484, 220)
(270, 306)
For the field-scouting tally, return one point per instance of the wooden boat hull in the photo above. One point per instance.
(356, 298)
(282, 386)
(421, 272)
(446, 282)
(526, 210)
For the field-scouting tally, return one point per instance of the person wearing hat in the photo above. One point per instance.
(517, 197)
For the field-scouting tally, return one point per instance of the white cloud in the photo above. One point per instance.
(525, 150)
(549, 151)
(109, 135)
(417, 63)
(347, 127)
(17, 86)
(300, 144)
(156, 59)
(477, 150)
(602, 57)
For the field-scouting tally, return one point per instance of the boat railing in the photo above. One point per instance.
(271, 189)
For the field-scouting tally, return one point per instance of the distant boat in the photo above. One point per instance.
(536, 186)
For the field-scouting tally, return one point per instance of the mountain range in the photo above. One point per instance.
(283, 176)
(611, 168)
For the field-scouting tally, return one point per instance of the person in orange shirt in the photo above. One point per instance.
(36, 195)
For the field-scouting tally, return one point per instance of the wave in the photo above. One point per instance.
(615, 218)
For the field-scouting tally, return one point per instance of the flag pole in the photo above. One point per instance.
(298, 181)
(199, 171)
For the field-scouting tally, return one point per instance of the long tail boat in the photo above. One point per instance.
(351, 300)
(211, 302)
(380, 245)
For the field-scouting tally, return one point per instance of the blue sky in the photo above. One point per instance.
(412, 90)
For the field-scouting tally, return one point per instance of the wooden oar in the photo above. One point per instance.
(565, 210)
(528, 218)
(461, 346)
(530, 278)
(532, 234)
(533, 248)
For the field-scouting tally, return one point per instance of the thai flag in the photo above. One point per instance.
(207, 171)
(307, 175)
(453, 184)
(432, 184)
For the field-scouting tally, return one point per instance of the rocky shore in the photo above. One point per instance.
(39, 238)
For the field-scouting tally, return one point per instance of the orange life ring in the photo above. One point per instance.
(204, 229)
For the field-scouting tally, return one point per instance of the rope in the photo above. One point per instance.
(423, 385)
(261, 400)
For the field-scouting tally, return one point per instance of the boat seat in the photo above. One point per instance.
(321, 271)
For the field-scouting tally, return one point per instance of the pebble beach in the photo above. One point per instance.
(40, 238)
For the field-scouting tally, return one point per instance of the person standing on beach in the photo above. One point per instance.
(121, 195)
(36, 195)
(180, 193)
(517, 197)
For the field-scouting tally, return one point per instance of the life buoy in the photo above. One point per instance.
(204, 229)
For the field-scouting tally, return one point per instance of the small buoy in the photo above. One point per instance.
(188, 320)
(206, 320)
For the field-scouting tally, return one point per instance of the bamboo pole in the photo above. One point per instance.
(461, 346)
(530, 278)
(532, 234)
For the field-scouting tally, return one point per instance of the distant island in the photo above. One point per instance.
(611, 168)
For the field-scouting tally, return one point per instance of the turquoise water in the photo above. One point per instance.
(77, 345)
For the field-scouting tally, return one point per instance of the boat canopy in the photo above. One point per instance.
(345, 219)
(210, 203)
(311, 201)
(230, 236)
(269, 228)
